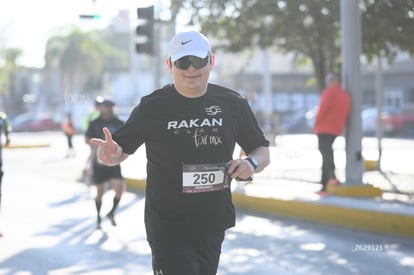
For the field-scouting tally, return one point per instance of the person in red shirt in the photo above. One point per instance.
(334, 107)
(69, 131)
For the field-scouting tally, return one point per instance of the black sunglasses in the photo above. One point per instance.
(184, 62)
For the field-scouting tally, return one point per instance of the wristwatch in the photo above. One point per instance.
(253, 161)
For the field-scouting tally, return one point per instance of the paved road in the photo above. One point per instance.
(49, 226)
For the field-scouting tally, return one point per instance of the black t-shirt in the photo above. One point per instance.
(178, 130)
(95, 128)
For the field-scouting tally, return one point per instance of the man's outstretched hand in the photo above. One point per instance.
(109, 152)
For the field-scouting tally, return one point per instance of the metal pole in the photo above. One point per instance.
(156, 45)
(351, 79)
(267, 92)
(267, 85)
(157, 54)
(378, 99)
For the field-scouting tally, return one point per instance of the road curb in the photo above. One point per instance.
(370, 164)
(374, 221)
(360, 191)
(27, 146)
(136, 184)
(367, 220)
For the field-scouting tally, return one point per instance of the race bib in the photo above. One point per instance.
(199, 178)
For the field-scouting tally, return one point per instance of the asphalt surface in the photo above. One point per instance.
(49, 224)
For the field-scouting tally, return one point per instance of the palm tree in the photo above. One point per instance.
(82, 58)
(11, 100)
(8, 70)
(76, 58)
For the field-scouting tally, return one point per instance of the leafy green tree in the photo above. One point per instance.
(387, 27)
(310, 29)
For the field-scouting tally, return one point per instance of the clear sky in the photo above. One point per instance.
(27, 24)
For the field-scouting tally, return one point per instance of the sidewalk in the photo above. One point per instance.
(275, 193)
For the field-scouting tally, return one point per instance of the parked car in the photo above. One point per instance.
(369, 120)
(301, 122)
(39, 122)
(394, 121)
(407, 120)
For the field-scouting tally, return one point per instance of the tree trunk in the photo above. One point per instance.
(319, 72)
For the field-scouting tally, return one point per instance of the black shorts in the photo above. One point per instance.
(102, 173)
(181, 257)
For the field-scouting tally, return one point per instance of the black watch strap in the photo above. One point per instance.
(253, 162)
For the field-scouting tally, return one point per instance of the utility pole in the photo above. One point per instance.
(267, 93)
(351, 79)
(379, 99)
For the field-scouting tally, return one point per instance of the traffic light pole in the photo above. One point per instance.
(157, 52)
(145, 30)
(149, 33)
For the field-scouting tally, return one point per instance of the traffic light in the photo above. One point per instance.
(145, 31)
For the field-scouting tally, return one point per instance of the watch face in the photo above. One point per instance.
(255, 162)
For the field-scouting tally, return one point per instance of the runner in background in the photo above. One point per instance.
(69, 131)
(101, 173)
(4, 128)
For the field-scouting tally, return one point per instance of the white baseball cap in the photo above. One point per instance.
(188, 43)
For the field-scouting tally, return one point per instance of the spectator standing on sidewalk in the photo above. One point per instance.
(102, 173)
(334, 107)
(190, 129)
(4, 128)
(69, 131)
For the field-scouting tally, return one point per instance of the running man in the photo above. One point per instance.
(190, 129)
